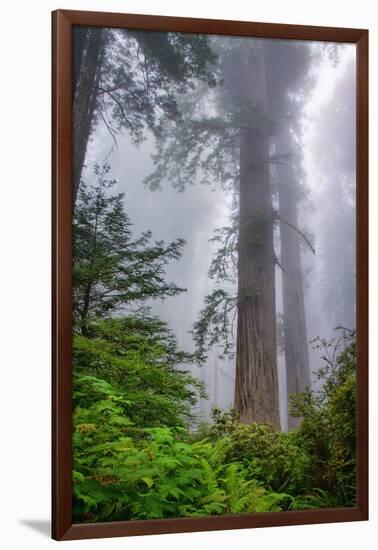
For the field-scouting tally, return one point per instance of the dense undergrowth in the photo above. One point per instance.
(136, 454)
(136, 458)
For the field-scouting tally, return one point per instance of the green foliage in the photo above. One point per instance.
(140, 74)
(134, 395)
(130, 466)
(214, 325)
(155, 475)
(328, 429)
(201, 148)
(268, 456)
(149, 70)
(245, 495)
(139, 356)
(111, 268)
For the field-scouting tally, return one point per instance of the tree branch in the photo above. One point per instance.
(280, 265)
(299, 232)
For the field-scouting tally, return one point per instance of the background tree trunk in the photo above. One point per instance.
(256, 382)
(296, 344)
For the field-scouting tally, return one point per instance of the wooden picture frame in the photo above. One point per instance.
(62, 25)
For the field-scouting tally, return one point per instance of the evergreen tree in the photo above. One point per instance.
(231, 147)
(240, 143)
(139, 356)
(112, 270)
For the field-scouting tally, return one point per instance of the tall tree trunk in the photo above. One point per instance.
(87, 64)
(79, 40)
(296, 345)
(256, 382)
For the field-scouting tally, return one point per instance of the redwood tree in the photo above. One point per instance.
(256, 382)
(232, 147)
(288, 73)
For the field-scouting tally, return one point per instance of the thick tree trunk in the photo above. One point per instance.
(87, 67)
(296, 345)
(256, 383)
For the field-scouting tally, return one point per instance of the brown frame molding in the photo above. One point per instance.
(62, 22)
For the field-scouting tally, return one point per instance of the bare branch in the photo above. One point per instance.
(299, 232)
(280, 265)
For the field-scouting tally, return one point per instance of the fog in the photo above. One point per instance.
(325, 136)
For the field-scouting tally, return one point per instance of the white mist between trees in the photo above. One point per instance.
(325, 214)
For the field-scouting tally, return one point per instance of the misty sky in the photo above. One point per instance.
(195, 213)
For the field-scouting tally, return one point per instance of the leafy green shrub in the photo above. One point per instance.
(130, 465)
(328, 429)
(125, 472)
(268, 456)
(160, 476)
(139, 356)
(243, 495)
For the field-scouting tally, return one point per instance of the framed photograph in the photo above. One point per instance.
(210, 274)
